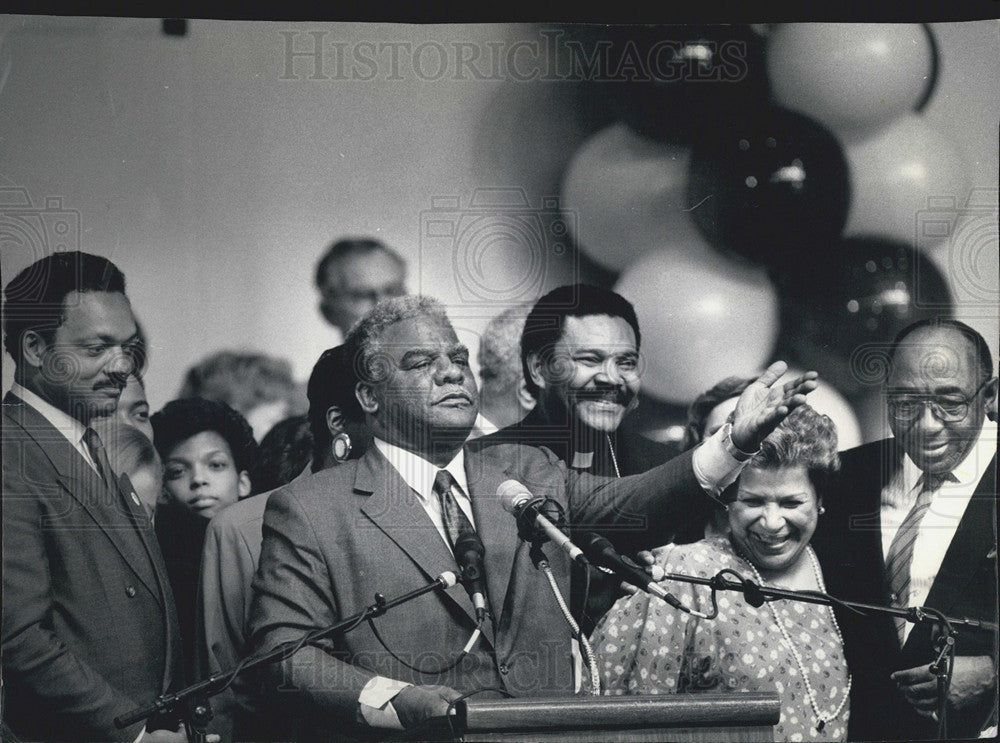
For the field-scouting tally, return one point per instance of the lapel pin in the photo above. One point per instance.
(135, 498)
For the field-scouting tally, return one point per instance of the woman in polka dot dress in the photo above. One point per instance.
(644, 646)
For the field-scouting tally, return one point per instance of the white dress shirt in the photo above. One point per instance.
(938, 526)
(375, 699)
(419, 474)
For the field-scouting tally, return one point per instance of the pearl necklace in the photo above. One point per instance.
(795, 653)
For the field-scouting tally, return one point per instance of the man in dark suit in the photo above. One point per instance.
(911, 521)
(388, 522)
(89, 628)
(580, 359)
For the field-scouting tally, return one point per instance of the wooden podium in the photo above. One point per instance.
(702, 718)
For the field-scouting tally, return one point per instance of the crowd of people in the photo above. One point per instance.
(144, 552)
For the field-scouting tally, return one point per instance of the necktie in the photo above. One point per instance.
(900, 557)
(100, 457)
(456, 522)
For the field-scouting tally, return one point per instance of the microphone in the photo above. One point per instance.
(518, 500)
(601, 552)
(469, 552)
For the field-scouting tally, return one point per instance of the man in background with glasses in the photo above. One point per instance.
(911, 521)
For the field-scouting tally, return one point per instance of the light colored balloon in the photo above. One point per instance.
(900, 175)
(968, 260)
(702, 318)
(851, 77)
(827, 400)
(626, 195)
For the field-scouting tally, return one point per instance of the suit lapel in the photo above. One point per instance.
(86, 488)
(974, 538)
(496, 527)
(393, 507)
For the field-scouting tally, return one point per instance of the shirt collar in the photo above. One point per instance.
(417, 472)
(63, 422)
(971, 469)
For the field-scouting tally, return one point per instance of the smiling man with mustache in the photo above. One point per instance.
(580, 355)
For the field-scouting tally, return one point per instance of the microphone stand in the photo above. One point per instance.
(194, 699)
(944, 645)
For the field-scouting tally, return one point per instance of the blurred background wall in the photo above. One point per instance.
(213, 167)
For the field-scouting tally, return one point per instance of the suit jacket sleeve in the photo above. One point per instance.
(639, 511)
(72, 691)
(223, 599)
(291, 598)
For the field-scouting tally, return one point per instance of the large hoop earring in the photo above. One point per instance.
(341, 447)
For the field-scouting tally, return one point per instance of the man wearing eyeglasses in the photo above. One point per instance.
(911, 522)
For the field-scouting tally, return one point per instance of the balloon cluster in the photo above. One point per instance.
(758, 195)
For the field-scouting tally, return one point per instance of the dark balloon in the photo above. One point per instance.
(670, 81)
(765, 184)
(841, 308)
(935, 73)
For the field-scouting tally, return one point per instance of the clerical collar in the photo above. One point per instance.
(582, 460)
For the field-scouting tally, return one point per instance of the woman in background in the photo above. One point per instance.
(209, 460)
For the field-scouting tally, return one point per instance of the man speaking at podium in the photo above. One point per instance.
(387, 524)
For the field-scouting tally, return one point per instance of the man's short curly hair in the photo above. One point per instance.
(181, 419)
(361, 346)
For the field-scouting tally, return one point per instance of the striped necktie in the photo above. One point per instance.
(900, 557)
(456, 522)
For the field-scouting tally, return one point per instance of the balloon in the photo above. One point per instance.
(701, 320)
(658, 420)
(668, 81)
(626, 194)
(827, 400)
(851, 77)
(765, 184)
(899, 175)
(841, 310)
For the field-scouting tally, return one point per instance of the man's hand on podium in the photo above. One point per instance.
(416, 704)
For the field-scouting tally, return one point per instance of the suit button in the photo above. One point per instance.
(504, 669)
(130, 592)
